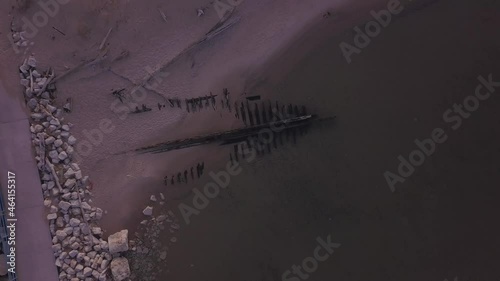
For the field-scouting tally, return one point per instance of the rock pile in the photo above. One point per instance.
(151, 245)
(18, 38)
(79, 249)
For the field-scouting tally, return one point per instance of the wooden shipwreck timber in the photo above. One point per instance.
(230, 136)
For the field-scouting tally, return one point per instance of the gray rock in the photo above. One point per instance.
(38, 128)
(58, 143)
(87, 271)
(28, 93)
(53, 154)
(64, 205)
(55, 122)
(69, 173)
(63, 155)
(32, 103)
(24, 68)
(86, 206)
(78, 175)
(71, 271)
(73, 253)
(37, 116)
(85, 228)
(120, 269)
(49, 140)
(71, 140)
(74, 222)
(36, 74)
(60, 222)
(97, 231)
(51, 108)
(31, 61)
(56, 248)
(75, 166)
(61, 235)
(52, 216)
(98, 213)
(25, 82)
(148, 211)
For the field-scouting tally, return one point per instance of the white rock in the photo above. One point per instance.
(47, 202)
(153, 198)
(75, 166)
(55, 122)
(74, 222)
(52, 216)
(63, 155)
(61, 235)
(50, 108)
(32, 103)
(97, 231)
(69, 183)
(49, 140)
(148, 211)
(58, 143)
(53, 154)
(73, 253)
(162, 196)
(118, 242)
(87, 271)
(31, 61)
(69, 173)
(64, 205)
(163, 255)
(120, 269)
(71, 140)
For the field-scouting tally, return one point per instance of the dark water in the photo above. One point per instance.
(442, 220)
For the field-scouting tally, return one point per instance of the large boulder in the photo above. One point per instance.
(120, 269)
(118, 242)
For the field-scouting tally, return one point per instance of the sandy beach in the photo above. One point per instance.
(438, 224)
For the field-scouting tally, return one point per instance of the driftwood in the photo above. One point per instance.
(98, 58)
(80, 201)
(226, 136)
(54, 174)
(163, 15)
(48, 81)
(105, 39)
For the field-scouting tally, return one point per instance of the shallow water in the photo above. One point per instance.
(438, 224)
